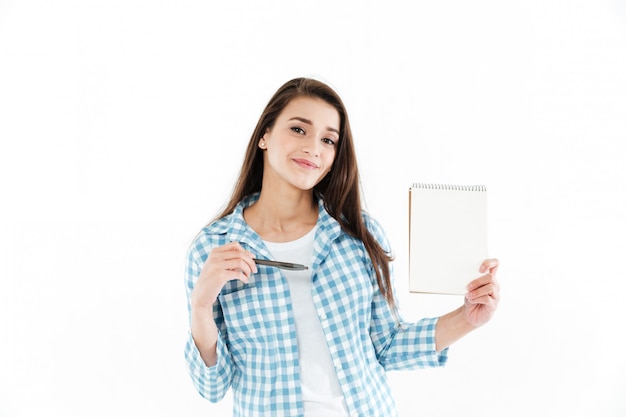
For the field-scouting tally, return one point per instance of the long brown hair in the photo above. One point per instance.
(339, 189)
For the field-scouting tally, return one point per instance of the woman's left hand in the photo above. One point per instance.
(483, 295)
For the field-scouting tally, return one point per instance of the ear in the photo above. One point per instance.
(262, 144)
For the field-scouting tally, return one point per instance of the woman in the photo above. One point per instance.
(315, 342)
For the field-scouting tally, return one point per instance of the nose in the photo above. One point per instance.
(312, 146)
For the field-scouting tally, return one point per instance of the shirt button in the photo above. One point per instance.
(322, 316)
(337, 364)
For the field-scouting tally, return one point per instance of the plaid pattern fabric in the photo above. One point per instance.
(257, 348)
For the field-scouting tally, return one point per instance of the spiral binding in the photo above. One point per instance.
(452, 187)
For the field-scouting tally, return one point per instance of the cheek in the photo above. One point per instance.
(276, 158)
(331, 159)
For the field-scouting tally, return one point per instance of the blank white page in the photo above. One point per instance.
(447, 237)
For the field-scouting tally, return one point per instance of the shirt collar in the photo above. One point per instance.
(328, 229)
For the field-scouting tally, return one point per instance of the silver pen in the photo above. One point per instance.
(282, 265)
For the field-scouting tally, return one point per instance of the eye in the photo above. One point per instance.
(298, 130)
(328, 141)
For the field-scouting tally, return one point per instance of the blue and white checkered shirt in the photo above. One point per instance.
(257, 352)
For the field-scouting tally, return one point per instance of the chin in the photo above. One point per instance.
(305, 185)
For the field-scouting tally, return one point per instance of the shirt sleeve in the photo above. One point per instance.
(211, 382)
(399, 344)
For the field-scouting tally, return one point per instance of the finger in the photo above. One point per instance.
(237, 264)
(249, 259)
(485, 300)
(480, 281)
(242, 256)
(231, 275)
(489, 265)
(233, 250)
(489, 290)
(229, 247)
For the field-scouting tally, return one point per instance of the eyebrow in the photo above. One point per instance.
(307, 121)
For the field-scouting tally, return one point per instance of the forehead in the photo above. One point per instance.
(314, 109)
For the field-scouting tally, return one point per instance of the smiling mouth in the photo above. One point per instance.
(305, 163)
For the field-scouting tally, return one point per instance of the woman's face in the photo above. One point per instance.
(300, 148)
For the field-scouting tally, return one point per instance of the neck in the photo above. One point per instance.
(282, 216)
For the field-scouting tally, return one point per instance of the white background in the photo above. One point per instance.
(123, 126)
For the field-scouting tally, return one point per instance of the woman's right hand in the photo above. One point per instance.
(225, 263)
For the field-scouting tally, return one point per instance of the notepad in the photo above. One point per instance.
(447, 236)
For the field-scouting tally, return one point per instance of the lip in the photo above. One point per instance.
(305, 163)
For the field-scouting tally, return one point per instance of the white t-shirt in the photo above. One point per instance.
(320, 388)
